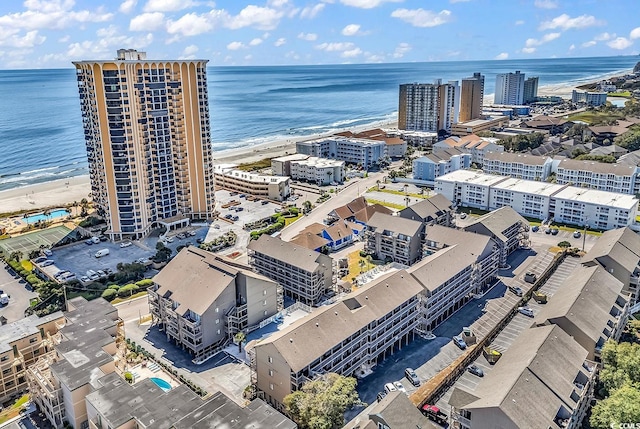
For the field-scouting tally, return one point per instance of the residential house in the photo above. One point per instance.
(304, 274)
(357, 211)
(543, 380)
(550, 124)
(201, 300)
(334, 237)
(508, 229)
(393, 238)
(517, 165)
(590, 307)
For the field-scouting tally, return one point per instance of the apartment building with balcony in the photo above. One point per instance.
(393, 238)
(529, 198)
(21, 343)
(347, 337)
(281, 166)
(467, 188)
(506, 227)
(517, 165)
(147, 134)
(618, 252)
(61, 379)
(543, 380)
(116, 404)
(620, 178)
(598, 209)
(259, 185)
(436, 210)
(351, 150)
(320, 171)
(201, 300)
(305, 275)
(472, 144)
(428, 107)
(589, 306)
(437, 164)
(589, 98)
(472, 97)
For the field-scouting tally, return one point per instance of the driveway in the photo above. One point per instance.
(20, 292)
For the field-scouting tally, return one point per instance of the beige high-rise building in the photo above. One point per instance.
(471, 97)
(147, 133)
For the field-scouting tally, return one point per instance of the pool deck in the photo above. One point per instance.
(141, 372)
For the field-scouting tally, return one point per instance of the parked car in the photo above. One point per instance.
(200, 240)
(60, 273)
(389, 387)
(516, 290)
(264, 202)
(380, 396)
(95, 240)
(547, 231)
(88, 242)
(180, 235)
(235, 218)
(458, 341)
(101, 273)
(228, 216)
(463, 215)
(193, 233)
(216, 226)
(554, 231)
(125, 244)
(47, 263)
(530, 277)
(108, 271)
(399, 386)
(170, 239)
(577, 234)
(47, 252)
(103, 238)
(434, 413)
(40, 259)
(85, 279)
(535, 228)
(412, 376)
(476, 370)
(526, 311)
(101, 253)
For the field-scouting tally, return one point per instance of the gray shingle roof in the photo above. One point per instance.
(500, 220)
(430, 208)
(289, 253)
(383, 222)
(621, 245)
(520, 158)
(441, 266)
(597, 167)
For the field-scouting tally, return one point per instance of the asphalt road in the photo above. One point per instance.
(20, 293)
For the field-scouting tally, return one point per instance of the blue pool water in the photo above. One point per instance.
(52, 215)
(161, 383)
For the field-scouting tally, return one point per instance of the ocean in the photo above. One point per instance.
(41, 137)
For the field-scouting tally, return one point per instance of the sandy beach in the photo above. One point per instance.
(48, 194)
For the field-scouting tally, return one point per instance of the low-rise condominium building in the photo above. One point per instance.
(269, 187)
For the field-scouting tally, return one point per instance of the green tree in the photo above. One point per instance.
(629, 140)
(621, 365)
(564, 244)
(321, 403)
(239, 338)
(109, 294)
(623, 406)
(16, 256)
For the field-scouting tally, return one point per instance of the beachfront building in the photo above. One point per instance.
(347, 337)
(393, 238)
(351, 150)
(304, 274)
(474, 126)
(618, 252)
(428, 107)
(281, 166)
(543, 380)
(320, 171)
(608, 177)
(530, 90)
(259, 185)
(146, 129)
(436, 210)
(518, 165)
(472, 144)
(89, 347)
(415, 138)
(509, 88)
(471, 97)
(201, 300)
(22, 343)
(589, 98)
(439, 163)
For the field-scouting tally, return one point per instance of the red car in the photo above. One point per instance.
(433, 413)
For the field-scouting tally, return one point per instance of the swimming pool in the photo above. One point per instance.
(41, 216)
(161, 383)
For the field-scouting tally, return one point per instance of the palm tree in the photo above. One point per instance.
(362, 264)
(306, 206)
(239, 338)
(16, 256)
(378, 183)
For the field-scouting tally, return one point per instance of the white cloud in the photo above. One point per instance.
(29, 40)
(127, 6)
(635, 33)
(281, 41)
(565, 22)
(351, 53)
(190, 50)
(149, 21)
(519, 22)
(278, 3)
(544, 39)
(64, 39)
(528, 50)
(546, 4)
(262, 18)
(310, 12)
(335, 46)
(502, 56)
(234, 46)
(190, 24)
(109, 39)
(255, 42)
(53, 14)
(421, 17)
(620, 43)
(458, 1)
(167, 5)
(351, 30)
(310, 37)
(248, 57)
(604, 37)
(367, 4)
(401, 50)
(572, 47)
(589, 44)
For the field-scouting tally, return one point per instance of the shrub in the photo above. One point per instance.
(144, 283)
(109, 294)
(32, 278)
(127, 290)
(129, 377)
(114, 287)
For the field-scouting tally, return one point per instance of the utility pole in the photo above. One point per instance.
(584, 234)
(64, 292)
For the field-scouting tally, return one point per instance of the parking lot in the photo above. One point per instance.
(20, 293)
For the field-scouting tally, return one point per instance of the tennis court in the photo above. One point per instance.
(33, 240)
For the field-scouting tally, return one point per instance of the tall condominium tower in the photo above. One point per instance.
(146, 127)
(530, 92)
(428, 107)
(471, 97)
(509, 88)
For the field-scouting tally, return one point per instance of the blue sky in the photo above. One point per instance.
(52, 33)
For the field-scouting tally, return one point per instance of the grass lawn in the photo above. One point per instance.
(355, 269)
(289, 220)
(257, 165)
(595, 116)
(391, 191)
(386, 204)
(13, 411)
(625, 94)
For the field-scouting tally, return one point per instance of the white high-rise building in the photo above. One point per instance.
(428, 107)
(509, 88)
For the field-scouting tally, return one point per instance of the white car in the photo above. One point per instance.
(85, 279)
(126, 244)
(47, 263)
(463, 215)
(170, 239)
(390, 387)
(192, 233)
(526, 311)
(399, 386)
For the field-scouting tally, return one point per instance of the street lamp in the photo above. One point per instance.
(584, 234)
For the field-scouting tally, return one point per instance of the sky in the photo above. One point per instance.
(52, 33)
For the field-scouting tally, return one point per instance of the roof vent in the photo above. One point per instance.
(336, 313)
(291, 340)
(366, 297)
(317, 324)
